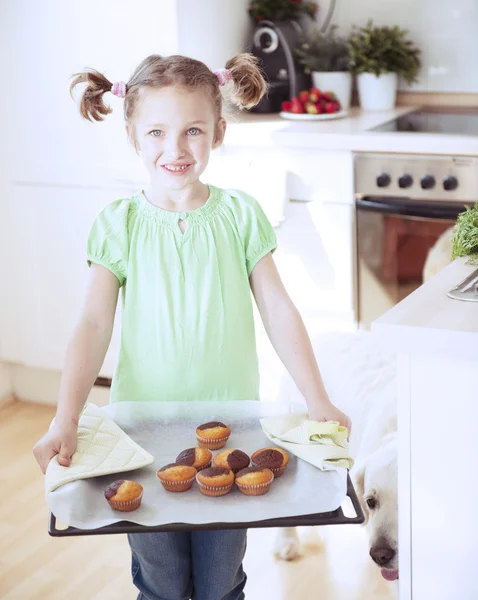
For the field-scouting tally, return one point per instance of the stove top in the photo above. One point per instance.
(434, 121)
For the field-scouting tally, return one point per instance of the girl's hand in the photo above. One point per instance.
(61, 440)
(326, 411)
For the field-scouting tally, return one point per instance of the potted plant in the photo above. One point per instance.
(465, 235)
(326, 56)
(379, 55)
(280, 10)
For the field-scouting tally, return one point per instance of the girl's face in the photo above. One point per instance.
(175, 130)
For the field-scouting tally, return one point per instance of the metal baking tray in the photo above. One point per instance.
(467, 289)
(335, 517)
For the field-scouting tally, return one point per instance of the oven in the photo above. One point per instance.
(406, 206)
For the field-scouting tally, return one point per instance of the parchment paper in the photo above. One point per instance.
(166, 428)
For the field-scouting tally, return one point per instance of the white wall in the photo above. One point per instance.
(5, 382)
(213, 30)
(446, 32)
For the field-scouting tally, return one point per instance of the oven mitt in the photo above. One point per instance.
(323, 445)
(103, 448)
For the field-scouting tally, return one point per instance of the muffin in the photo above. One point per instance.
(215, 481)
(212, 435)
(274, 459)
(254, 481)
(199, 458)
(124, 495)
(176, 478)
(232, 459)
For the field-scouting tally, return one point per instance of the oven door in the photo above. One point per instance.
(399, 241)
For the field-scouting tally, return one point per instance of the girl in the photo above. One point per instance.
(186, 255)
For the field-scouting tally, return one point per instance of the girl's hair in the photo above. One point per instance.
(157, 71)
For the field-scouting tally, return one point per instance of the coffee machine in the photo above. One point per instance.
(273, 44)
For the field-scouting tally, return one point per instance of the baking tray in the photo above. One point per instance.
(304, 495)
(336, 517)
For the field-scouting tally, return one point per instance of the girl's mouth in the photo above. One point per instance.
(176, 169)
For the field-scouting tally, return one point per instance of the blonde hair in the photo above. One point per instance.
(156, 71)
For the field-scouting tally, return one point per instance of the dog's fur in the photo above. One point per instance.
(360, 379)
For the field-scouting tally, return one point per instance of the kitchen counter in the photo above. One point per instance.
(349, 133)
(428, 320)
(436, 341)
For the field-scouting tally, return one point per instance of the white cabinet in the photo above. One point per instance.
(46, 272)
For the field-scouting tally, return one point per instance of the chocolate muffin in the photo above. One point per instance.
(215, 481)
(274, 459)
(199, 458)
(124, 495)
(176, 478)
(232, 459)
(254, 481)
(212, 435)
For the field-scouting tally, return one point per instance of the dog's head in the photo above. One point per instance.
(375, 480)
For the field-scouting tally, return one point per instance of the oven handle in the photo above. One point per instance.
(411, 208)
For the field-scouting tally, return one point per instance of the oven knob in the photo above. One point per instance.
(383, 180)
(405, 181)
(450, 183)
(428, 182)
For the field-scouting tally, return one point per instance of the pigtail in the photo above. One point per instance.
(249, 84)
(92, 106)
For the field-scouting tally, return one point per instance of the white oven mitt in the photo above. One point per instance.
(103, 448)
(323, 445)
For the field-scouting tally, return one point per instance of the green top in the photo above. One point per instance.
(187, 325)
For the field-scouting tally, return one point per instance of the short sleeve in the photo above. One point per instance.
(259, 235)
(108, 243)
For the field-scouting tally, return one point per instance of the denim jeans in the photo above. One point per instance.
(198, 565)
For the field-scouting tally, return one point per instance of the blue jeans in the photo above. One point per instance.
(197, 565)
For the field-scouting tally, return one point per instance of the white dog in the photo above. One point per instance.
(360, 379)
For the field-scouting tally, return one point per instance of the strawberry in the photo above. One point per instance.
(315, 91)
(329, 96)
(304, 96)
(286, 106)
(330, 107)
(313, 97)
(296, 107)
(310, 108)
(319, 108)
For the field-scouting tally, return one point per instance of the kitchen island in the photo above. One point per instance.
(436, 340)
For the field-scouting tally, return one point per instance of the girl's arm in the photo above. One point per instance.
(84, 357)
(288, 335)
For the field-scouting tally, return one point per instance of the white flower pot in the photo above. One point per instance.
(377, 93)
(339, 82)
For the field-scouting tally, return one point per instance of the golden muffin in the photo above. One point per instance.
(215, 481)
(124, 495)
(212, 435)
(176, 478)
(232, 459)
(274, 459)
(254, 481)
(199, 458)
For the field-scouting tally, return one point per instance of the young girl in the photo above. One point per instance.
(186, 255)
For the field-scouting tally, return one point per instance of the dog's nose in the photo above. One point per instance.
(382, 554)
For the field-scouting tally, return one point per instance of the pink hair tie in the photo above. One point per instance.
(223, 76)
(119, 89)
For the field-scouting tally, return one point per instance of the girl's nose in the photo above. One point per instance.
(174, 147)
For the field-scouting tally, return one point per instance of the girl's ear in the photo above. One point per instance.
(219, 133)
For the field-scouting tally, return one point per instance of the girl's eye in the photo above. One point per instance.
(156, 133)
(194, 131)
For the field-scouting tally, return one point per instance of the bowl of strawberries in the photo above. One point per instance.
(313, 105)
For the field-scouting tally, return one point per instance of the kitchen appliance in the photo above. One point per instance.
(273, 44)
(404, 203)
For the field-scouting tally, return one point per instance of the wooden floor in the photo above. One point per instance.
(34, 566)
